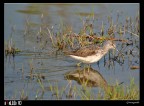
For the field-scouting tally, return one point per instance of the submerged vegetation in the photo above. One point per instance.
(58, 39)
(10, 49)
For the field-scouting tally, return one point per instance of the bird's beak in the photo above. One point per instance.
(119, 52)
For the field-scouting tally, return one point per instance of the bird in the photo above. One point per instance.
(92, 53)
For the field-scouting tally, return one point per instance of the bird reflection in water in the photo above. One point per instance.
(89, 77)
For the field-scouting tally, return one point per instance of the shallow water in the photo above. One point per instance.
(51, 65)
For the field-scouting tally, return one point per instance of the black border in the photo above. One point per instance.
(2, 50)
(59, 102)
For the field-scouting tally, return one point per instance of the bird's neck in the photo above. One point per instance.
(106, 49)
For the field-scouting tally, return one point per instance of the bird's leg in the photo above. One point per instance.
(78, 64)
(89, 66)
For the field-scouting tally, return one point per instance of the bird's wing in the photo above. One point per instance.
(83, 52)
